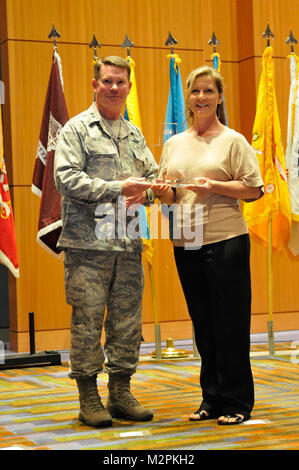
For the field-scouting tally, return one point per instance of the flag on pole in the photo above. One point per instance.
(292, 153)
(132, 114)
(266, 141)
(175, 121)
(55, 115)
(217, 65)
(1, 144)
(8, 244)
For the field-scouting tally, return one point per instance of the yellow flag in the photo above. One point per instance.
(149, 244)
(266, 140)
(132, 104)
(132, 113)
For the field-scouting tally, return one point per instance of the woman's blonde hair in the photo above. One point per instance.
(199, 72)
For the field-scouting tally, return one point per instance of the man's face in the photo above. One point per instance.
(112, 89)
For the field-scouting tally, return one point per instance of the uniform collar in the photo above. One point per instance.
(95, 116)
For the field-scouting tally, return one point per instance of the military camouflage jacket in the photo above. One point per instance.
(90, 165)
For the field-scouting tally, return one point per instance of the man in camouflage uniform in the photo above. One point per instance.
(102, 168)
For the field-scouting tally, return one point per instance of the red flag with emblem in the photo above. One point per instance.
(8, 244)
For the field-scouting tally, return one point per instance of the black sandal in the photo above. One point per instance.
(238, 419)
(203, 415)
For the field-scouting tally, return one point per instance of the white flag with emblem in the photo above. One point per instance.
(292, 153)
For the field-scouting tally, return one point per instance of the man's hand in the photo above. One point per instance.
(134, 186)
(137, 199)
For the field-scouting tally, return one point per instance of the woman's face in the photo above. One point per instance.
(204, 97)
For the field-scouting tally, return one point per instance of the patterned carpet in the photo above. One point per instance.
(39, 409)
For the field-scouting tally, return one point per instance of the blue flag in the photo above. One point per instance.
(175, 121)
(216, 66)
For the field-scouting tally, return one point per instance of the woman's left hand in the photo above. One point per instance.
(202, 187)
(234, 189)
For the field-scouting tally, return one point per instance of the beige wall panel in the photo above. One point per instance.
(220, 16)
(282, 16)
(183, 329)
(285, 280)
(259, 277)
(44, 340)
(230, 73)
(40, 288)
(171, 303)
(285, 283)
(245, 38)
(281, 322)
(146, 21)
(247, 96)
(3, 23)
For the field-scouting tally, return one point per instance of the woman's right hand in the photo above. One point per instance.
(164, 192)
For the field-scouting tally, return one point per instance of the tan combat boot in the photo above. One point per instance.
(121, 403)
(92, 412)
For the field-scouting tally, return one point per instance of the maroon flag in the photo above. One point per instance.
(55, 115)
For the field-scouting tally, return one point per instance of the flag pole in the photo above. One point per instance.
(54, 34)
(54, 117)
(292, 150)
(270, 291)
(158, 351)
(94, 43)
(175, 119)
(291, 40)
(213, 41)
(268, 34)
(128, 44)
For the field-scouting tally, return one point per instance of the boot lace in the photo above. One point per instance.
(91, 399)
(124, 395)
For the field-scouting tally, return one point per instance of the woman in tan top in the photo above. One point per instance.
(208, 169)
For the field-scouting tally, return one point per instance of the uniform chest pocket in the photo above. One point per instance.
(136, 149)
(100, 159)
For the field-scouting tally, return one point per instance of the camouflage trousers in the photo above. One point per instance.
(99, 283)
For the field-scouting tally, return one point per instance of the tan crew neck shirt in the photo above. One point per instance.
(226, 156)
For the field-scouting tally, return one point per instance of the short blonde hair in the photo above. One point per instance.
(199, 72)
(111, 60)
